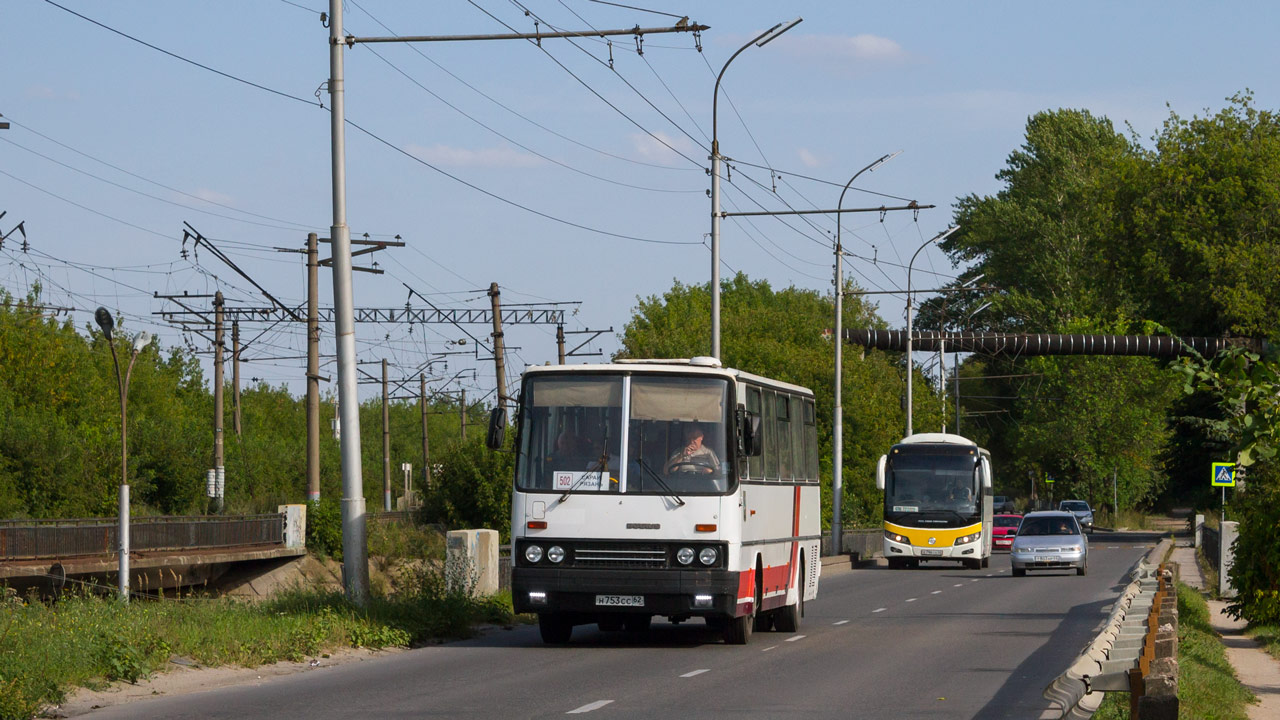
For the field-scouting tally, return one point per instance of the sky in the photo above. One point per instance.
(571, 172)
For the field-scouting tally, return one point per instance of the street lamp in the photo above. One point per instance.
(940, 236)
(760, 40)
(107, 323)
(837, 419)
(967, 320)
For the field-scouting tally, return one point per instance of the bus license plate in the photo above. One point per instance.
(620, 600)
(926, 552)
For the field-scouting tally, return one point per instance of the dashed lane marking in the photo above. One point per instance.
(795, 638)
(911, 599)
(958, 585)
(936, 592)
(769, 648)
(879, 610)
(841, 622)
(589, 707)
(696, 672)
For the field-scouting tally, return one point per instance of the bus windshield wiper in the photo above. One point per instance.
(661, 483)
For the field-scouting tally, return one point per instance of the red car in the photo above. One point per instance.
(1003, 528)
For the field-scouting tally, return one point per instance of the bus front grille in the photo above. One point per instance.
(620, 556)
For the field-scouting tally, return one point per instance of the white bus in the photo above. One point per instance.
(673, 488)
(937, 501)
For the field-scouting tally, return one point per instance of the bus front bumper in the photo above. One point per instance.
(600, 591)
(967, 551)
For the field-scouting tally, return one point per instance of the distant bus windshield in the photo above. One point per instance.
(932, 481)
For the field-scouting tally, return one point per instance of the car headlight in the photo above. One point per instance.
(896, 537)
(1072, 548)
(708, 556)
(973, 537)
(684, 555)
(555, 553)
(533, 553)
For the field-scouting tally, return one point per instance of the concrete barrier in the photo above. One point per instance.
(471, 561)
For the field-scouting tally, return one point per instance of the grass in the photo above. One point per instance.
(1269, 636)
(89, 640)
(1207, 685)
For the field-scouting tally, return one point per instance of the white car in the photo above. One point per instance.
(1049, 540)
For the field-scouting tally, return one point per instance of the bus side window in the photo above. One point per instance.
(753, 406)
(798, 463)
(785, 463)
(770, 436)
(810, 442)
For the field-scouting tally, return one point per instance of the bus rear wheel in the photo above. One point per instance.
(554, 628)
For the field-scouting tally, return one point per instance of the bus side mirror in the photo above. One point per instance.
(884, 460)
(749, 433)
(984, 471)
(497, 434)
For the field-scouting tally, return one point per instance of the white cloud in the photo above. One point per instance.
(808, 159)
(494, 157)
(863, 48)
(650, 149)
(213, 196)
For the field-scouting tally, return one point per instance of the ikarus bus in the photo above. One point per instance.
(671, 488)
(937, 501)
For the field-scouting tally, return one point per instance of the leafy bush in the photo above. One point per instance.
(1256, 572)
(324, 528)
(472, 488)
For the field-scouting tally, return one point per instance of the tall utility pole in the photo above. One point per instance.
(386, 442)
(355, 561)
(462, 415)
(560, 343)
(217, 399)
(499, 366)
(313, 369)
(426, 445)
(355, 557)
(235, 376)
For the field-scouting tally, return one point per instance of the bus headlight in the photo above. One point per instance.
(964, 539)
(533, 553)
(708, 556)
(684, 555)
(555, 553)
(896, 537)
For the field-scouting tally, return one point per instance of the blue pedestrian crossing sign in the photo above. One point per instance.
(1224, 474)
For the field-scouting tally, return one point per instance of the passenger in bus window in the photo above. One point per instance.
(694, 456)
(571, 450)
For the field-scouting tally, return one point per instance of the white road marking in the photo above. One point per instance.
(990, 574)
(841, 622)
(958, 585)
(794, 638)
(976, 579)
(1003, 570)
(911, 599)
(589, 707)
(696, 672)
(769, 648)
(936, 592)
(879, 610)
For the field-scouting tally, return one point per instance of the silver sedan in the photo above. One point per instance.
(1049, 540)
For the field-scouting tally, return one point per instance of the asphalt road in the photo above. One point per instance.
(937, 642)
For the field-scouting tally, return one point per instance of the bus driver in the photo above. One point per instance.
(694, 456)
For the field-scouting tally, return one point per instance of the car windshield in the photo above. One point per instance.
(1063, 525)
(1075, 506)
(1005, 521)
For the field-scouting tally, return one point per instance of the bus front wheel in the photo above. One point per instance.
(555, 629)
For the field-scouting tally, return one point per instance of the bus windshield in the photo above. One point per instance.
(572, 434)
(932, 482)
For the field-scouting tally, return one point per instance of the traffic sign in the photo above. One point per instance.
(1224, 474)
(1048, 479)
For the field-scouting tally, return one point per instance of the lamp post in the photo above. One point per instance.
(760, 40)
(837, 417)
(940, 236)
(967, 320)
(107, 323)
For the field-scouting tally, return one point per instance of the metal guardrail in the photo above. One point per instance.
(1120, 658)
(35, 539)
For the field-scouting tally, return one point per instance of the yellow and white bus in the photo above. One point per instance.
(673, 488)
(937, 501)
